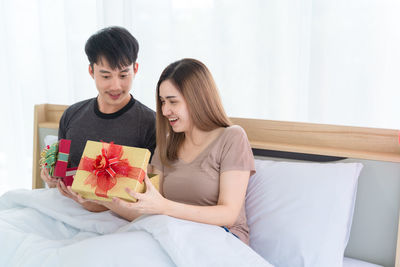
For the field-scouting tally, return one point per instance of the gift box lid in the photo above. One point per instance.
(103, 164)
(138, 157)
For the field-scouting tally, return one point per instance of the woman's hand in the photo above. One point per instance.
(150, 202)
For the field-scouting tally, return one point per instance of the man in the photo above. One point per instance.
(114, 115)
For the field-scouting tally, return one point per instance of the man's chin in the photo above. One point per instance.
(116, 100)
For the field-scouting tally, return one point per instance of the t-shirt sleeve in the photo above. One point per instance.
(62, 132)
(236, 153)
(151, 141)
(150, 135)
(156, 161)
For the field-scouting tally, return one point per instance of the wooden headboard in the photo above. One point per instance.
(307, 138)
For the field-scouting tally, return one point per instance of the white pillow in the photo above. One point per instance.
(50, 139)
(300, 213)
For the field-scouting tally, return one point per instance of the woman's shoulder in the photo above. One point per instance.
(232, 135)
(235, 130)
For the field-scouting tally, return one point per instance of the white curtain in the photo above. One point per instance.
(335, 62)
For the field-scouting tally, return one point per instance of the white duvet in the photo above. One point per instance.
(42, 228)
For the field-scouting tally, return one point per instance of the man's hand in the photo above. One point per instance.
(49, 180)
(86, 203)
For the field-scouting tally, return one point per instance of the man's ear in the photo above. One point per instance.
(91, 71)
(135, 67)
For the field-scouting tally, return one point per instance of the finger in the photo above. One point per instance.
(47, 178)
(60, 187)
(62, 191)
(80, 199)
(46, 172)
(44, 175)
(74, 194)
(97, 201)
(53, 180)
(67, 192)
(61, 183)
(148, 182)
(116, 200)
(71, 191)
(119, 202)
(134, 194)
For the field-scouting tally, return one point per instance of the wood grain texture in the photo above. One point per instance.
(323, 139)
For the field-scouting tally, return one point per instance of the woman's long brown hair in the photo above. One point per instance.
(195, 82)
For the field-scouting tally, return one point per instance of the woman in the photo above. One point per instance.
(204, 163)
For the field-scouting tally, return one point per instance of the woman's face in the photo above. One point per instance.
(174, 107)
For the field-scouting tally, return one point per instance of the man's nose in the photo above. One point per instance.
(115, 84)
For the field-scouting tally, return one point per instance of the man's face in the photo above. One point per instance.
(113, 85)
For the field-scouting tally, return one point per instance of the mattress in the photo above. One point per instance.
(349, 262)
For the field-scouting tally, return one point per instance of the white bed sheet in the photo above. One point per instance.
(43, 228)
(349, 262)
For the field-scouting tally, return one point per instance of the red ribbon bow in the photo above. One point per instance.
(107, 167)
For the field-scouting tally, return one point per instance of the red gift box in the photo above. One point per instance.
(69, 176)
(62, 158)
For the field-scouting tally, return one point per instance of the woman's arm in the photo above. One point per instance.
(232, 193)
(233, 185)
(152, 169)
(123, 208)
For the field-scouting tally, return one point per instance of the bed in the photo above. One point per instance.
(309, 204)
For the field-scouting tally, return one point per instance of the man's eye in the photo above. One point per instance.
(106, 77)
(123, 76)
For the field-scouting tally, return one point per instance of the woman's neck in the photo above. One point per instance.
(197, 137)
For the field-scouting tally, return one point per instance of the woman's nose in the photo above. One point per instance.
(166, 110)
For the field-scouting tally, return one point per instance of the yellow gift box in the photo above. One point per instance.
(106, 169)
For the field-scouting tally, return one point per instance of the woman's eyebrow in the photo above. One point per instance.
(168, 97)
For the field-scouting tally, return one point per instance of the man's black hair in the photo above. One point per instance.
(115, 44)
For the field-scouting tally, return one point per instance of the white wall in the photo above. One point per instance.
(320, 61)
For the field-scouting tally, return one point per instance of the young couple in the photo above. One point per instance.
(204, 162)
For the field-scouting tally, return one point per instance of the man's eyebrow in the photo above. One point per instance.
(104, 71)
(125, 70)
